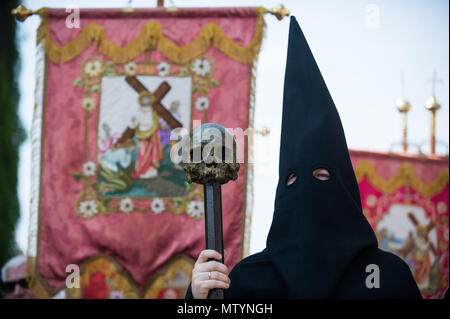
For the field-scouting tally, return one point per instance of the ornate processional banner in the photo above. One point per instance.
(406, 200)
(105, 195)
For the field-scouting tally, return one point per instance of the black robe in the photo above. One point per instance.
(255, 277)
(320, 243)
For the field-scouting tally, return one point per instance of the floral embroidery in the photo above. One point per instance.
(163, 68)
(93, 68)
(130, 68)
(195, 209)
(371, 201)
(157, 206)
(201, 67)
(88, 104)
(202, 103)
(88, 208)
(126, 205)
(441, 207)
(89, 168)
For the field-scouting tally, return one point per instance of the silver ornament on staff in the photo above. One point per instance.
(212, 161)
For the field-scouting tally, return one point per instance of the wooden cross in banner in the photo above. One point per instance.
(154, 99)
(423, 231)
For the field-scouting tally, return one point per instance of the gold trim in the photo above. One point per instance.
(35, 282)
(176, 264)
(404, 177)
(152, 37)
(124, 282)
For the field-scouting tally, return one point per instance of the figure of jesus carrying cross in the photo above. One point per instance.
(147, 130)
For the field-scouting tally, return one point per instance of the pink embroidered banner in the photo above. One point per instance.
(106, 196)
(406, 200)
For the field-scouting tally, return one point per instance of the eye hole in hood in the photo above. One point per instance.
(321, 174)
(291, 179)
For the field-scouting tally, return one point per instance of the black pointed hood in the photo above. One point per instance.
(318, 226)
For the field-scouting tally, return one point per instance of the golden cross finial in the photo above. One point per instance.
(433, 106)
(403, 107)
(402, 83)
(434, 81)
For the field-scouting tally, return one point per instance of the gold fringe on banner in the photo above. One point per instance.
(151, 37)
(34, 283)
(404, 177)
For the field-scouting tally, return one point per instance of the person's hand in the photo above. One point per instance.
(208, 275)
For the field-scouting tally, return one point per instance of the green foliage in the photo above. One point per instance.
(78, 82)
(214, 84)
(178, 201)
(110, 71)
(77, 176)
(106, 202)
(11, 132)
(189, 186)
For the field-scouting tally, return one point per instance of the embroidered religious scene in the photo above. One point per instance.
(134, 142)
(407, 206)
(231, 151)
(416, 244)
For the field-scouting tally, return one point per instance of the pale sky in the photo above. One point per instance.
(362, 48)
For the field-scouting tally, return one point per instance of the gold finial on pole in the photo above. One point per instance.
(279, 12)
(128, 8)
(21, 13)
(263, 131)
(403, 107)
(433, 106)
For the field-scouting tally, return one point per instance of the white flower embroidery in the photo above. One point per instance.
(202, 103)
(201, 67)
(89, 168)
(126, 205)
(131, 68)
(163, 68)
(88, 104)
(195, 209)
(441, 207)
(88, 208)
(93, 68)
(371, 200)
(157, 205)
(116, 294)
